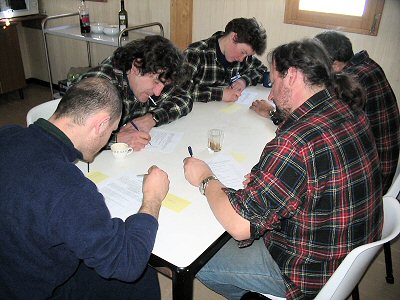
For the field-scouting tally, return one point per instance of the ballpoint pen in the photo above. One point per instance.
(190, 151)
(134, 126)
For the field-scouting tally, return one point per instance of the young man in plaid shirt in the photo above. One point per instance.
(315, 193)
(221, 66)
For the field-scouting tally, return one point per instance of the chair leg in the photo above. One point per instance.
(354, 294)
(388, 263)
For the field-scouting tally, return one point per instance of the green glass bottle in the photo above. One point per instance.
(123, 18)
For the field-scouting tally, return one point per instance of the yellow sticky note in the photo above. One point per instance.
(96, 176)
(175, 203)
(238, 156)
(230, 108)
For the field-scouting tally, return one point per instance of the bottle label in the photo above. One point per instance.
(122, 18)
(85, 20)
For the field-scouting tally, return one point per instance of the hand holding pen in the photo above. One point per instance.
(130, 134)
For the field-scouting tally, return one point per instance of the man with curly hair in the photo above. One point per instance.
(141, 70)
(221, 66)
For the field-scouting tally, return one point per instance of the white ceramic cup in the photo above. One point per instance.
(121, 150)
(215, 138)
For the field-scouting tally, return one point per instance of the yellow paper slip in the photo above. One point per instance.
(175, 203)
(96, 176)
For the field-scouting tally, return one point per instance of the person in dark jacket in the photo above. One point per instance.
(58, 240)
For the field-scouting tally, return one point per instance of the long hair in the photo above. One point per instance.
(312, 59)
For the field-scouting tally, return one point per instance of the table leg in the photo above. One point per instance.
(182, 284)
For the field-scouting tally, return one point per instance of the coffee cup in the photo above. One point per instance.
(121, 150)
(215, 138)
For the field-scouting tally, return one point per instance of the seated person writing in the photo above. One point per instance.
(58, 239)
(221, 66)
(145, 72)
(304, 205)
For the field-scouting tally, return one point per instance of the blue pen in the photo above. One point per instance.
(190, 151)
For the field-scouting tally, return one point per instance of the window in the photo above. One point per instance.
(359, 16)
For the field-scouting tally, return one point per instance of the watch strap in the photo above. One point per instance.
(204, 183)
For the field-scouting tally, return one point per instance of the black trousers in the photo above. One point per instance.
(86, 284)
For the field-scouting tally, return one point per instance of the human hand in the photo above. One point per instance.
(134, 138)
(239, 85)
(155, 188)
(262, 108)
(195, 170)
(230, 94)
(145, 123)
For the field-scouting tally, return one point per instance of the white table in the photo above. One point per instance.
(187, 240)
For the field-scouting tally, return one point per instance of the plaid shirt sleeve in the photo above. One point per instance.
(315, 193)
(208, 77)
(173, 102)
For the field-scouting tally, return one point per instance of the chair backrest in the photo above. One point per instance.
(353, 267)
(44, 110)
(394, 189)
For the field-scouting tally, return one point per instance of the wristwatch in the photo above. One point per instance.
(204, 183)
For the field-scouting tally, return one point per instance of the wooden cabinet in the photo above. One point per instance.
(12, 76)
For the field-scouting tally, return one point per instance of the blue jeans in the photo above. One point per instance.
(233, 271)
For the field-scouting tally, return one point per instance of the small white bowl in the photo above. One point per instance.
(97, 27)
(111, 29)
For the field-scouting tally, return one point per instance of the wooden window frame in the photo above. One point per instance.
(367, 24)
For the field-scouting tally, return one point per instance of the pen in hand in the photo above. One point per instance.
(134, 126)
(190, 151)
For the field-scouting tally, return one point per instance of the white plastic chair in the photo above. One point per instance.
(393, 191)
(44, 110)
(349, 273)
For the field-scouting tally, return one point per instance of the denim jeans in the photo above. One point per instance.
(233, 271)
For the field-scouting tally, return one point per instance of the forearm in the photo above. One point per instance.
(233, 223)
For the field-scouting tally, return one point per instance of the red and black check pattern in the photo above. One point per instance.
(315, 193)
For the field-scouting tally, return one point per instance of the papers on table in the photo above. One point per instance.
(249, 97)
(246, 98)
(123, 195)
(163, 140)
(227, 170)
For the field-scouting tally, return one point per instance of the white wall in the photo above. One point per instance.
(208, 16)
(383, 48)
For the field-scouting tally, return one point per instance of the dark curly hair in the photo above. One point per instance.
(153, 54)
(248, 32)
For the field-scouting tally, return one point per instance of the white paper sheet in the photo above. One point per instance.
(163, 140)
(227, 170)
(123, 195)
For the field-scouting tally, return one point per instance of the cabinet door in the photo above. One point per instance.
(12, 76)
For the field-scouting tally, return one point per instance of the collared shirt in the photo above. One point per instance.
(382, 111)
(315, 193)
(209, 75)
(172, 104)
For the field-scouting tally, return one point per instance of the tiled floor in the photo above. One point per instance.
(372, 287)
